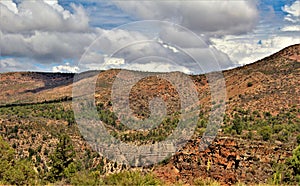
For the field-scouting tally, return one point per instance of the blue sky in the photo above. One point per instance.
(103, 13)
(241, 31)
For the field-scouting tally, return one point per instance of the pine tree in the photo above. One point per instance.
(61, 159)
(295, 161)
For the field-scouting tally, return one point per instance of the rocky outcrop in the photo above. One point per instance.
(227, 160)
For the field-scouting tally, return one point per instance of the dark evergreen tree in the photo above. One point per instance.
(62, 159)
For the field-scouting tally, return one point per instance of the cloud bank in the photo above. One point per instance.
(210, 17)
(244, 50)
(46, 33)
(293, 12)
(43, 31)
(292, 17)
(65, 68)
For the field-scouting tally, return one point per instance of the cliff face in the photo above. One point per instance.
(228, 160)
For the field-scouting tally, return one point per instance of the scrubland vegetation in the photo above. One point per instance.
(45, 160)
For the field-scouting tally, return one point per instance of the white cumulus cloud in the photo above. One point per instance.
(248, 50)
(65, 68)
(291, 28)
(44, 31)
(157, 66)
(30, 16)
(293, 12)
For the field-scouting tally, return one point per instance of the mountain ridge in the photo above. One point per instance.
(57, 80)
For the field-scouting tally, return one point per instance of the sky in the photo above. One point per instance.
(188, 36)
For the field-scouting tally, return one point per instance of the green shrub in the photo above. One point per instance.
(14, 171)
(267, 114)
(250, 135)
(295, 161)
(31, 152)
(86, 178)
(265, 133)
(283, 135)
(237, 124)
(206, 182)
(249, 84)
(277, 128)
(131, 178)
(298, 139)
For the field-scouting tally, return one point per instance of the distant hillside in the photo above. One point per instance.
(268, 85)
